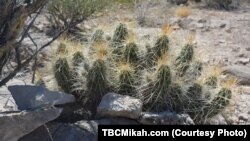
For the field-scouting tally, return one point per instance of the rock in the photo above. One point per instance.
(223, 25)
(202, 21)
(241, 55)
(81, 130)
(244, 117)
(115, 105)
(63, 132)
(241, 72)
(243, 61)
(165, 118)
(248, 49)
(30, 97)
(217, 120)
(15, 125)
(117, 121)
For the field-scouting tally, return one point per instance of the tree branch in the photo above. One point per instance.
(27, 61)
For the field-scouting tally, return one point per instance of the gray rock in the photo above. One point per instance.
(244, 117)
(115, 105)
(117, 121)
(241, 72)
(63, 132)
(15, 125)
(30, 97)
(243, 61)
(202, 21)
(165, 118)
(217, 120)
(79, 131)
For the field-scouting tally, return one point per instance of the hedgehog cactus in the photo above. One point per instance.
(195, 94)
(131, 53)
(161, 46)
(176, 98)
(182, 62)
(98, 36)
(160, 87)
(218, 103)
(97, 83)
(211, 81)
(126, 79)
(149, 58)
(62, 74)
(62, 49)
(196, 68)
(120, 36)
(121, 33)
(160, 91)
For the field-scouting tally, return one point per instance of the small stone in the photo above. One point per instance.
(223, 25)
(243, 117)
(115, 105)
(248, 49)
(241, 55)
(202, 21)
(243, 61)
(236, 49)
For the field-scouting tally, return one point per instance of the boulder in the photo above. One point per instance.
(165, 118)
(81, 130)
(115, 105)
(241, 72)
(63, 132)
(30, 97)
(15, 125)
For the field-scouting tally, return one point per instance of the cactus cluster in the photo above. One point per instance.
(165, 87)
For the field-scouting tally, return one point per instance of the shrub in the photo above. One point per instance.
(69, 13)
(219, 4)
(183, 12)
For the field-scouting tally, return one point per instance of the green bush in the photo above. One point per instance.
(72, 12)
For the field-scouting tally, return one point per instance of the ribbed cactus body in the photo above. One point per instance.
(161, 46)
(62, 74)
(212, 81)
(97, 84)
(127, 83)
(62, 49)
(131, 53)
(98, 36)
(184, 59)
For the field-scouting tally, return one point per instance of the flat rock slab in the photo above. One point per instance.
(241, 72)
(80, 131)
(15, 125)
(165, 118)
(115, 105)
(29, 97)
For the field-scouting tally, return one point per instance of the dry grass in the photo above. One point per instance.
(183, 12)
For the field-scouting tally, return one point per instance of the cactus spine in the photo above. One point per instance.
(120, 35)
(161, 46)
(126, 79)
(183, 60)
(98, 36)
(62, 74)
(131, 53)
